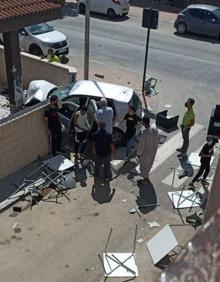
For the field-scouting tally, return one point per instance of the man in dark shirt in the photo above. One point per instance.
(102, 147)
(53, 125)
(131, 121)
(205, 159)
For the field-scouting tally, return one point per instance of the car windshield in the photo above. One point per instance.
(217, 13)
(62, 92)
(40, 28)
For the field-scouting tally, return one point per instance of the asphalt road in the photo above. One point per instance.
(185, 66)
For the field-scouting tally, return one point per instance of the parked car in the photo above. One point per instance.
(87, 92)
(202, 19)
(37, 39)
(111, 8)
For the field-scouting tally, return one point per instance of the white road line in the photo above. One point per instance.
(169, 147)
(173, 177)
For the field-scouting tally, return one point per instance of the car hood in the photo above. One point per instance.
(51, 37)
(39, 90)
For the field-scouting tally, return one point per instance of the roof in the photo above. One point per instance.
(102, 89)
(204, 6)
(14, 8)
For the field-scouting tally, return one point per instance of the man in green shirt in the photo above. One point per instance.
(187, 122)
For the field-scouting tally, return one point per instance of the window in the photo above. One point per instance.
(208, 16)
(40, 28)
(68, 109)
(195, 13)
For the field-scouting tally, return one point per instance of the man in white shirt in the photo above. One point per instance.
(105, 114)
(81, 131)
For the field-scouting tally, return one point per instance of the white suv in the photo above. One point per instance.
(37, 39)
(112, 8)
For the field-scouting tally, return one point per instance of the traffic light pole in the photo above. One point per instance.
(87, 40)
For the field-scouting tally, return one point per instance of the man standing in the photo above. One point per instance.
(106, 115)
(131, 121)
(81, 131)
(187, 122)
(103, 147)
(205, 159)
(53, 125)
(147, 150)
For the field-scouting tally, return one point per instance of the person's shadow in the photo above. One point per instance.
(101, 192)
(147, 197)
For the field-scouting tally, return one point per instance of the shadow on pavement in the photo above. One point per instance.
(102, 193)
(147, 196)
(193, 36)
(106, 18)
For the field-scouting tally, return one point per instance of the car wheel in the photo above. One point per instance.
(181, 28)
(111, 13)
(82, 8)
(118, 137)
(35, 50)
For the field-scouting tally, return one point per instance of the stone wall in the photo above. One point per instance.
(22, 138)
(35, 68)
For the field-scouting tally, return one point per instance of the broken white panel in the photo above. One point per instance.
(162, 244)
(59, 163)
(167, 106)
(153, 224)
(117, 270)
(194, 159)
(185, 199)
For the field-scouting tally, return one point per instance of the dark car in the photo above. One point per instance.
(201, 19)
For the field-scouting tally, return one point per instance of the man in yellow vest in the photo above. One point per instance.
(52, 57)
(187, 122)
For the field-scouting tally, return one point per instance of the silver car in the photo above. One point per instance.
(201, 19)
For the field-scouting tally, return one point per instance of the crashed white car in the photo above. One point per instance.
(88, 92)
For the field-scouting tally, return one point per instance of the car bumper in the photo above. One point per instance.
(62, 51)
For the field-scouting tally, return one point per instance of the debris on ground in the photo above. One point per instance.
(153, 224)
(140, 241)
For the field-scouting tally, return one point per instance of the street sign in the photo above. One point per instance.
(150, 18)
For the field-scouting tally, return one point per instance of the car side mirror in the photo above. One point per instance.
(23, 32)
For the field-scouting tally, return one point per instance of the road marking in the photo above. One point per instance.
(174, 177)
(169, 148)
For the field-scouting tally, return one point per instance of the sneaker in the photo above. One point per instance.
(179, 150)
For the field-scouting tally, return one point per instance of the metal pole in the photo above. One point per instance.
(87, 35)
(146, 57)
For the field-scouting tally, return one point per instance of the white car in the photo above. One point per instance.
(111, 8)
(37, 39)
(88, 92)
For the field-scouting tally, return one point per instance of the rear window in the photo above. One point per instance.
(196, 13)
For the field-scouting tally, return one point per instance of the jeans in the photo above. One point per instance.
(56, 140)
(130, 143)
(106, 161)
(204, 168)
(185, 135)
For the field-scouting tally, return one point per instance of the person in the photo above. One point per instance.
(52, 57)
(81, 131)
(187, 122)
(147, 149)
(102, 148)
(106, 115)
(53, 125)
(131, 121)
(205, 159)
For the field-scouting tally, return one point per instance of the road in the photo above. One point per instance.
(185, 66)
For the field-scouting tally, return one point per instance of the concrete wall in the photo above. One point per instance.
(22, 139)
(35, 68)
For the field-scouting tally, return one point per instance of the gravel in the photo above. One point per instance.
(4, 107)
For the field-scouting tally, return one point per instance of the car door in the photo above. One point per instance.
(194, 21)
(66, 114)
(210, 24)
(95, 5)
(24, 39)
(91, 121)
